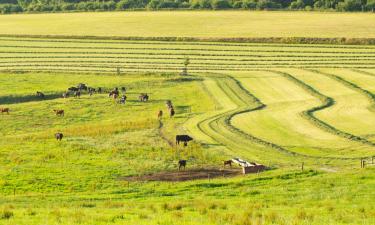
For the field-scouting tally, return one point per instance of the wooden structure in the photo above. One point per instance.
(249, 167)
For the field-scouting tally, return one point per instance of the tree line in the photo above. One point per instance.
(18, 6)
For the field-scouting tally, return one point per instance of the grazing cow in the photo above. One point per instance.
(123, 89)
(73, 89)
(59, 136)
(160, 114)
(171, 112)
(143, 97)
(40, 94)
(99, 90)
(183, 138)
(228, 162)
(4, 110)
(114, 92)
(181, 163)
(123, 99)
(65, 94)
(82, 87)
(59, 112)
(168, 103)
(90, 89)
(77, 94)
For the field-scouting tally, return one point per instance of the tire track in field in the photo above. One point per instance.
(327, 102)
(220, 129)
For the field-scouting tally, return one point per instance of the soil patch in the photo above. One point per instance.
(185, 175)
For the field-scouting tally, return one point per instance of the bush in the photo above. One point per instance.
(220, 4)
(299, 4)
(249, 4)
(267, 4)
(350, 5)
(68, 7)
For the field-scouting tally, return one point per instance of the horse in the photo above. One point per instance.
(160, 114)
(59, 136)
(228, 162)
(40, 94)
(59, 112)
(171, 112)
(181, 163)
(4, 110)
(183, 138)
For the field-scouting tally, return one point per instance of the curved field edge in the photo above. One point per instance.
(327, 102)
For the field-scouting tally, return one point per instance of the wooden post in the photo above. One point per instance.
(302, 165)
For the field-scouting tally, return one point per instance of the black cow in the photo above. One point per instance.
(99, 90)
(59, 136)
(183, 138)
(40, 94)
(73, 89)
(82, 87)
(181, 163)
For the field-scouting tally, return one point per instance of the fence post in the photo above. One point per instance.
(302, 166)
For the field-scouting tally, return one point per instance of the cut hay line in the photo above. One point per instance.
(224, 120)
(195, 60)
(174, 54)
(370, 96)
(187, 49)
(327, 102)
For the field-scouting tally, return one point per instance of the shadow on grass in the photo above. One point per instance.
(14, 99)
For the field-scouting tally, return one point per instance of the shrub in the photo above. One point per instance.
(220, 4)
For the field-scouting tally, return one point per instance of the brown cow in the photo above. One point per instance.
(160, 114)
(59, 112)
(171, 112)
(4, 110)
(59, 136)
(228, 162)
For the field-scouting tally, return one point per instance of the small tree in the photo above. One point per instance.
(186, 63)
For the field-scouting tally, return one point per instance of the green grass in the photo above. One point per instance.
(276, 104)
(206, 24)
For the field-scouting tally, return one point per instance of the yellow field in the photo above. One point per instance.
(193, 24)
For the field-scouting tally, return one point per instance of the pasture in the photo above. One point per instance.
(276, 104)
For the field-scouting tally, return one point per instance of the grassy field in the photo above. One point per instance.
(276, 104)
(206, 24)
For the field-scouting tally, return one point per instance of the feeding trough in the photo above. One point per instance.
(249, 167)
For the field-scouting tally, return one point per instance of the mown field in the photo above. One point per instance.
(276, 104)
(204, 24)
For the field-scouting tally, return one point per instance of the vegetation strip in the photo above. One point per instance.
(283, 40)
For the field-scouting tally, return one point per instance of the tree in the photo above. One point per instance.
(220, 4)
(350, 5)
(370, 5)
(299, 4)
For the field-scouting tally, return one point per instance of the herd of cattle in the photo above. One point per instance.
(115, 93)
